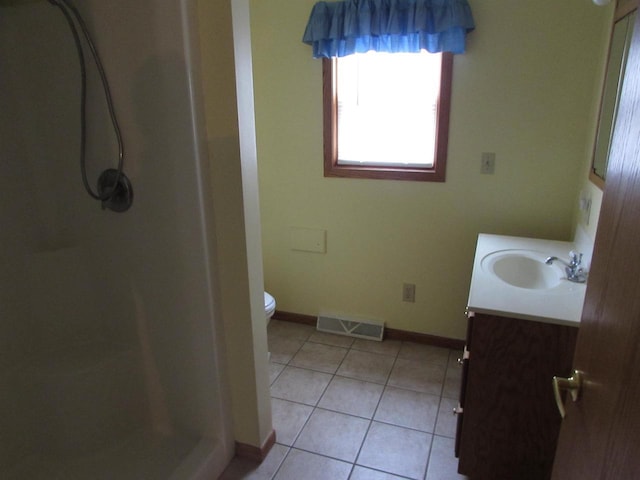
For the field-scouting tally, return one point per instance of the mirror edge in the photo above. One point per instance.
(622, 9)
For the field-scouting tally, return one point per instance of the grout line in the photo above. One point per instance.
(314, 406)
(295, 439)
(281, 462)
(361, 380)
(278, 375)
(353, 464)
(433, 436)
(383, 471)
(323, 455)
(360, 417)
(375, 410)
(413, 429)
(316, 342)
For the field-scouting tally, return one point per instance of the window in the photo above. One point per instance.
(386, 115)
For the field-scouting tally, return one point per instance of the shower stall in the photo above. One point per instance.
(109, 344)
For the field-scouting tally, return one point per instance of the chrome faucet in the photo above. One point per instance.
(573, 269)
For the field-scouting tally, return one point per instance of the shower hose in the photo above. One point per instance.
(70, 13)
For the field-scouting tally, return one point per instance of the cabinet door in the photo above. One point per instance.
(510, 423)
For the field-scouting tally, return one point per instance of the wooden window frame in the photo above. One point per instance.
(436, 173)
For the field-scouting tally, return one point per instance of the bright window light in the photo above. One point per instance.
(387, 108)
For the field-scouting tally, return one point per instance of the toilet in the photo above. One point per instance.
(269, 306)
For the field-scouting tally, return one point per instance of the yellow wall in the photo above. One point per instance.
(524, 90)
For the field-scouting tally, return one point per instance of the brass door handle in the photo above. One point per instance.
(573, 385)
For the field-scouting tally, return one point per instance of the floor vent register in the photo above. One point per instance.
(369, 329)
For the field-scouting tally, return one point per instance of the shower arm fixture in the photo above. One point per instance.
(114, 189)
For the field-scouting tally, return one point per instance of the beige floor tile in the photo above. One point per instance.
(331, 339)
(354, 397)
(370, 367)
(288, 419)
(282, 348)
(417, 375)
(241, 468)
(333, 434)
(362, 473)
(443, 465)
(446, 423)
(395, 450)
(316, 356)
(452, 381)
(406, 408)
(386, 347)
(300, 385)
(301, 465)
(424, 353)
(290, 330)
(274, 371)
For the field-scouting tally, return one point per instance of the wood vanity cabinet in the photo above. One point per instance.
(508, 421)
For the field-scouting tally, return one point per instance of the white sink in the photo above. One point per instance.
(510, 279)
(523, 269)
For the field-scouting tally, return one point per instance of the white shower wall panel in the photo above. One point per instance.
(142, 279)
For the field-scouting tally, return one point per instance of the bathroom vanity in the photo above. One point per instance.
(523, 318)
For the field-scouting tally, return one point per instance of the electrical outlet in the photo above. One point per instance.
(409, 292)
(488, 163)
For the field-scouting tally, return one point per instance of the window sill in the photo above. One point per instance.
(385, 173)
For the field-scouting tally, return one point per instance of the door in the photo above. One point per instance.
(600, 435)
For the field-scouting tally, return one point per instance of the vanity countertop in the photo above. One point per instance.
(489, 294)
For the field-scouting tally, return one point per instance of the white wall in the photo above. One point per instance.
(226, 65)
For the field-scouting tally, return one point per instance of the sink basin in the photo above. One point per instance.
(523, 269)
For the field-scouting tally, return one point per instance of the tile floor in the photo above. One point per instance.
(347, 408)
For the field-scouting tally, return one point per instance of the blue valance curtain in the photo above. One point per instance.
(337, 29)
